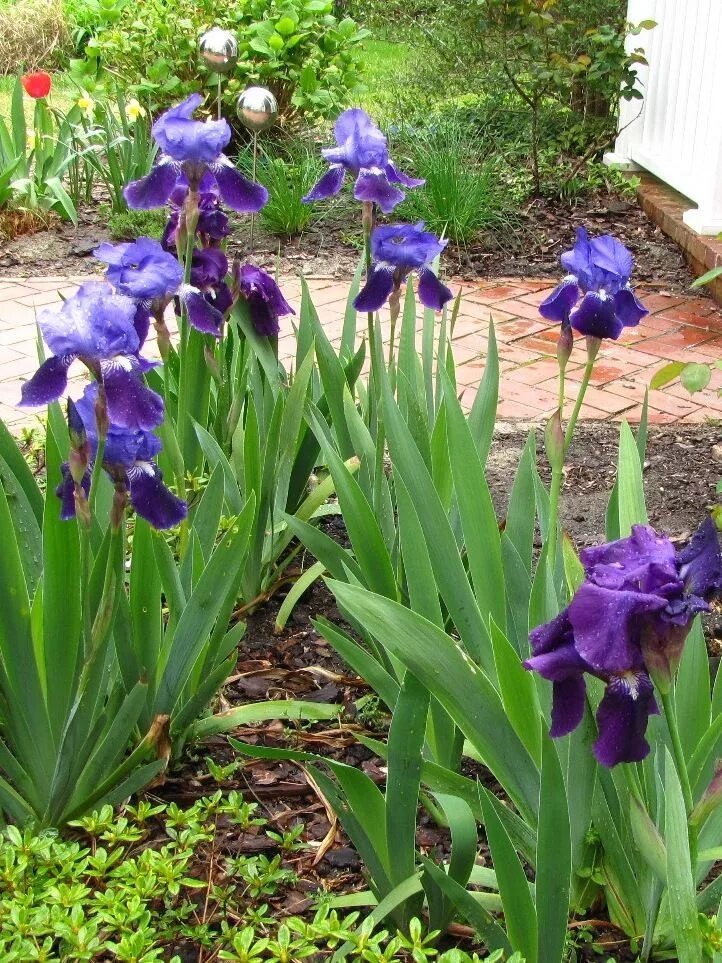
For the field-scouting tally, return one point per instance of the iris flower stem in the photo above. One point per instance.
(670, 715)
(558, 469)
(101, 624)
(97, 470)
(572, 424)
(85, 585)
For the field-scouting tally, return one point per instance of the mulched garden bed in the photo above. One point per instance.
(331, 247)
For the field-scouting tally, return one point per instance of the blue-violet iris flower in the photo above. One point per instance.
(396, 251)
(266, 303)
(191, 149)
(363, 152)
(212, 224)
(144, 270)
(626, 625)
(598, 271)
(98, 327)
(128, 460)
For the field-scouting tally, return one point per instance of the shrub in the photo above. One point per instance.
(296, 47)
(33, 34)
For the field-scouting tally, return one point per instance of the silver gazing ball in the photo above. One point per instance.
(219, 50)
(257, 109)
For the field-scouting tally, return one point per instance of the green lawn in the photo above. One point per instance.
(385, 62)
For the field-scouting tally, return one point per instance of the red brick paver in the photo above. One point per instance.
(677, 328)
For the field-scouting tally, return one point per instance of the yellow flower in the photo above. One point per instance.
(87, 106)
(133, 110)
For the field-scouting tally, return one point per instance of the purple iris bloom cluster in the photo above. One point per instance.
(599, 270)
(361, 149)
(153, 276)
(191, 150)
(105, 331)
(396, 251)
(128, 460)
(626, 625)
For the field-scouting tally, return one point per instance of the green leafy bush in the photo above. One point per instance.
(296, 47)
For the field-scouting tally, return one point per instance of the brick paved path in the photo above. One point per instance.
(678, 328)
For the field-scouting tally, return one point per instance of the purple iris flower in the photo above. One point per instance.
(265, 301)
(363, 152)
(142, 269)
(192, 149)
(146, 271)
(98, 327)
(212, 222)
(397, 251)
(128, 460)
(599, 271)
(626, 624)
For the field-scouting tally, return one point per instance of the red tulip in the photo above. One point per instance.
(37, 85)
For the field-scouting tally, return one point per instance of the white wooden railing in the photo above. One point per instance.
(676, 131)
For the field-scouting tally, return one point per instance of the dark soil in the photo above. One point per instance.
(331, 247)
(681, 475)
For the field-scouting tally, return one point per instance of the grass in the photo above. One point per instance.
(465, 193)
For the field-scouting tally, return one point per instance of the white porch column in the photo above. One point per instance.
(631, 112)
(703, 104)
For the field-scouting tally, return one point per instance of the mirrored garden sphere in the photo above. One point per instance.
(219, 50)
(257, 109)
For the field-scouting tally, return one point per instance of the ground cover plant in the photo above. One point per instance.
(552, 711)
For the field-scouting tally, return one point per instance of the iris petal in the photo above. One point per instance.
(152, 500)
(432, 293)
(237, 191)
(568, 700)
(374, 186)
(622, 720)
(379, 285)
(153, 190)
(201, 314)
(628, 308)
(596, 318)
(131, 404)
(329, 185)
(47, 384)
(398, 177)
(558, 305)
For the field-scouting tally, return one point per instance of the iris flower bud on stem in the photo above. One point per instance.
(710, 800)
(564, 346)
(120, 503)
(161, 331)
